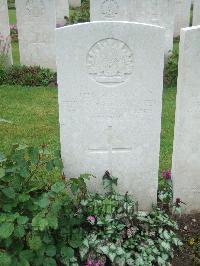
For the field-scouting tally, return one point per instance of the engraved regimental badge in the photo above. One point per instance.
(110, 62)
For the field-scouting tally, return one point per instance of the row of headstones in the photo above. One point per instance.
(36, 22)
(110, 77)
(110, 101)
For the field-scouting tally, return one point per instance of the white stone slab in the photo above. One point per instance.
(75, 3)
(182, 15)
(5, 41)
(186, 166)
(196, 13)
(110, 10)
(62, 11)
(156, 12)
(36, 21)
(110, 77)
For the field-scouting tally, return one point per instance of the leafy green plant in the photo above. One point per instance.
(58, 222)
(81, 14)
(117, 234)
(27, 76)
(11, 4)
(171, 71)
(39, 221)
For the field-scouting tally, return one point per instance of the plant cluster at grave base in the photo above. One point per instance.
(27, 76)
(81, 14)
(171, 71)
(61, 223)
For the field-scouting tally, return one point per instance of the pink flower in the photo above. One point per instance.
(166, 174)
(89, 263)
(91, 219)
(98, 263)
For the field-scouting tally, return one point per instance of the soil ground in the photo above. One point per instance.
(189, 232)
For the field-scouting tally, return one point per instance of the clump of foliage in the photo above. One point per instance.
(171, 71)
(11, 4)
(39, 221)
(81, 14)
(27, 76)
(117, 234)
(55, 221)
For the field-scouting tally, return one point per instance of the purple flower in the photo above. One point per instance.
(89, 263)
(91, 219)
(166, 174)
(13, 27)
(98, 263)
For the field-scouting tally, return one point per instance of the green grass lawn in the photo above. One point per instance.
(12, 16)
(30, 116)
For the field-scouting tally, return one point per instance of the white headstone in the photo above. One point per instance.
(110, 10)
(62, 11)
(186, 166)
(156, 12)
(110, 77)
(196, 13)
(75, 3)
(182, 15)
(36, 21)
(5, 41)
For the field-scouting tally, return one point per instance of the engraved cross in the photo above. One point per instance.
(111, 149)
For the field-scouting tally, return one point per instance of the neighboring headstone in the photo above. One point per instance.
(196, 13)
(75, 3)
(62, 11)
(182, 15)
(156, 12)
(186, 167)
(110, 10)
(36, 22)
(5, 41)
(110, 77)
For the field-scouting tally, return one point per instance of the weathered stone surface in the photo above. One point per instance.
(182, 15)
(196, 13)
(186, 167)
(110, 77)
(5, 41)
(75, 3)
(110, 10)
(156, 12)
(62, 11)
(36, 21)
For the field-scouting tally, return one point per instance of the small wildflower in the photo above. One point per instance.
(178, 202)
(89, 263)
(91, 219)
(166, 174)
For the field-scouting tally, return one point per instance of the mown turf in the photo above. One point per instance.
(30, 116)
(12, 16)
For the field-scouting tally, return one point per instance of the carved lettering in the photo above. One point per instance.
(109, 8)
(35, 8)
